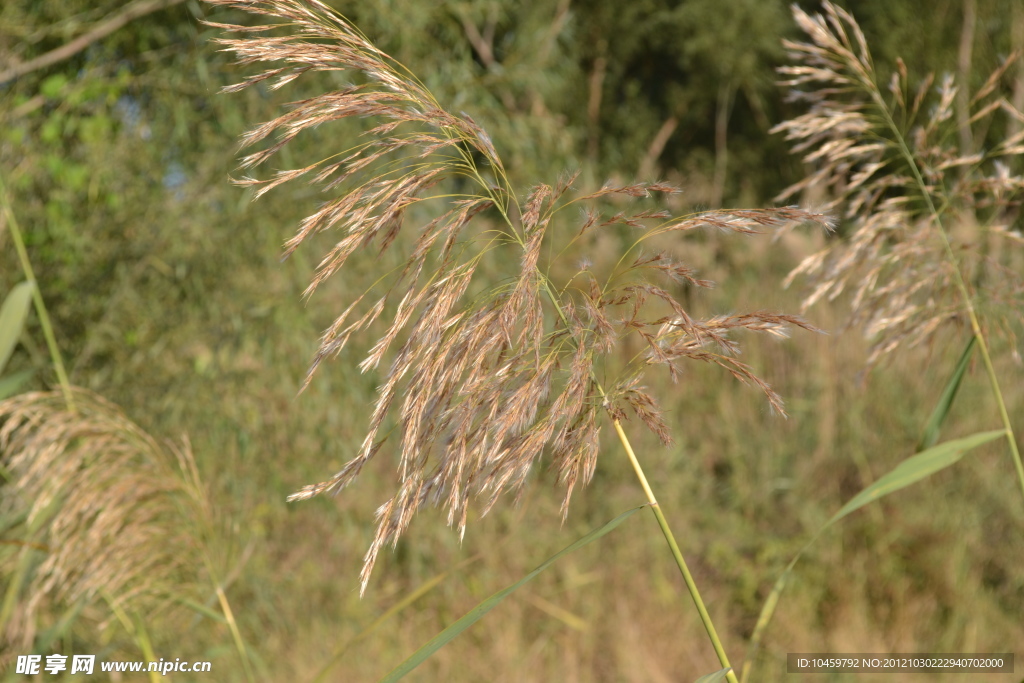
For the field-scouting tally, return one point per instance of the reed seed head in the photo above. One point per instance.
(479, 381)
(886, 160)
(102, 507)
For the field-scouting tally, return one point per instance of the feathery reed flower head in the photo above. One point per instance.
(484, 379)
(102, 504)
(966, 174)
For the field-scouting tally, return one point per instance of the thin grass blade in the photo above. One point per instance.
(916, 468)
(910, 471)
(60, 630)
(938, 416)
(13, 591)
(13, 314)
(407, 600)
(714, 677)
(201, 609)
(10, 385)
(243, 651)
(145, 643)
(478, 612)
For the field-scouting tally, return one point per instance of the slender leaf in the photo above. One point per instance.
(12, 319)
(10, 385)
(199, 608)
(47, 639)
(145, 644)
(477, 613)
(913, 469)
(714, 677)
(938, 416)
(11, 596)
(768, 610)
(412, 597)
(916, 468)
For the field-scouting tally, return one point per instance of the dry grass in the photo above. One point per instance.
(858, 140)
(935, 571)
(486, 378)
(103, 508)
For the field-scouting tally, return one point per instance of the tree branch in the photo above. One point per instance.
(101, 30)
(594, 101)
(964, 58)
(649, 162)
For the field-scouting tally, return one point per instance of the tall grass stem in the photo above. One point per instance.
(37, 297)
(136, 629)
(960, 284)
(677, 554)
(691, 585)
(236, 635)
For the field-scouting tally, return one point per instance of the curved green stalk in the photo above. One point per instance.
(235, 634)
(677, 554)
(691, 585)
(37, 297)
(959, 280)
(137, 630)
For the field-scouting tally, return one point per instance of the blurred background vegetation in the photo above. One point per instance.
(169, 299)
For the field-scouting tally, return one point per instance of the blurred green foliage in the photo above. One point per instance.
(168, 298)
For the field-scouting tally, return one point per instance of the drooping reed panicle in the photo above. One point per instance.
(858, 139)
(485, 378)
(102, 506)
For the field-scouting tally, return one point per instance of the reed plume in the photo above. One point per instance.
(909, 179)
(102, 507)
(479, 379)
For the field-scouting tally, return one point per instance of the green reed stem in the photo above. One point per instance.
(37, 297)
(960, 283)
(136, 629)
(236, 635)
(677, 554)
(691, 585)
